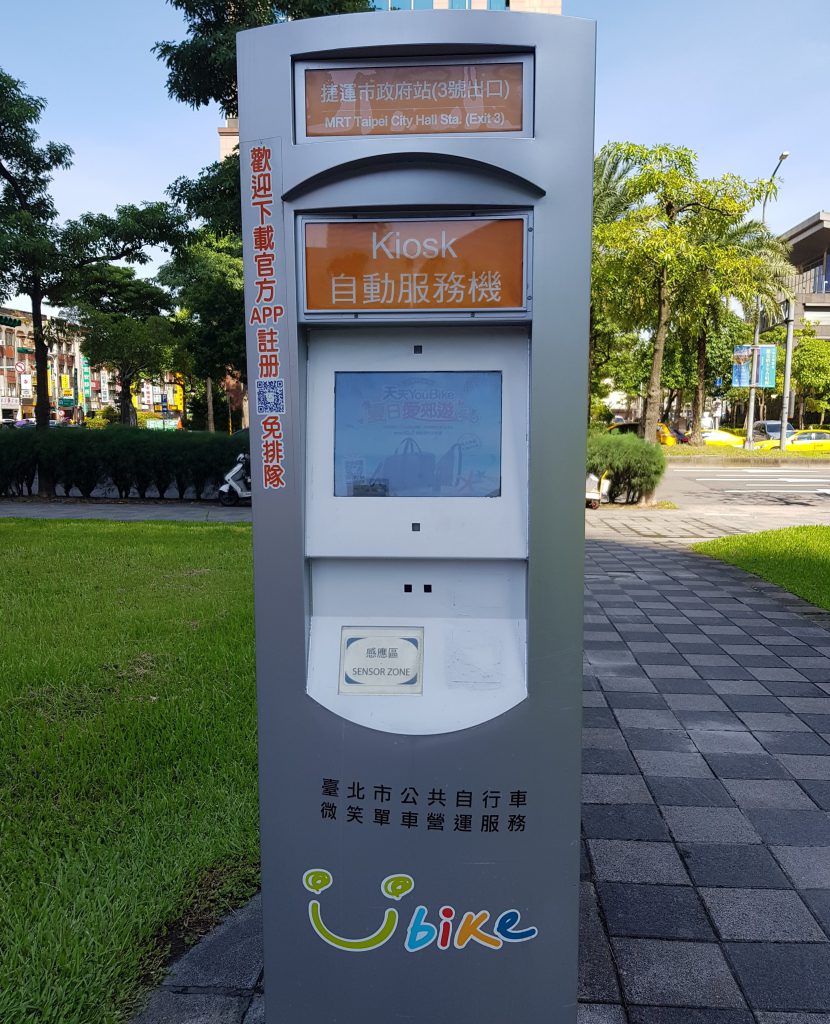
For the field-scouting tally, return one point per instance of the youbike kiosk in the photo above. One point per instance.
(416, 217)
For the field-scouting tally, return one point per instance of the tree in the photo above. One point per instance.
(647, 257)
(39, 257)
(202, 68)
(611, 201)
(746, 263)
(125, 328)
(207, 281)
(811, 372)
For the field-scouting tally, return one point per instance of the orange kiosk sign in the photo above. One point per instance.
(448, 265)
(419, 99)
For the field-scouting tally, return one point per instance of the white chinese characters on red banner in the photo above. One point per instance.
(266, 314)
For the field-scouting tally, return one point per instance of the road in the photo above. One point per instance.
(693, 487)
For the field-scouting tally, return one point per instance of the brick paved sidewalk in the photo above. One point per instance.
(706, 786)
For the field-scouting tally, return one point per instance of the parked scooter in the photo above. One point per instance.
(237, 485)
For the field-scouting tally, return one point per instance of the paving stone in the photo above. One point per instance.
(807, 866)
(229, 957)
(793, 1018)
(672, 671)
(624, 861)
(794, 743)
(626, 684)
(659, 739)
(710, 825)
(818, 900)
(777, 675)
(166, 1007)
(614, 789)
(584, 863)
(598, 718)
(806, 766)
(818, 791)
(624, 821)
(791, 827)
(753, 702)
(593, 699)
(783, 688)
(608, 762)
(772, 721)
(715, 742)
(654, 971)
(716, 720)
(745, 686)
(640, 719)
(746, 766)
(256, 1011)
(600, 1013)
(691, 686)
(695, 702)
(808, 705)
(672, 763)
(821, 723)
(687, 1015)
(733, 866)
(674, 792)
(759, 915)
(606, 739)
(783, 976)
(653, 911)
(597, 977)
(645, 701)
(769, 793)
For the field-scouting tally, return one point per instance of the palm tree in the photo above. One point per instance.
(611, 201)
(761, 269)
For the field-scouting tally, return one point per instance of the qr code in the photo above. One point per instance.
(270, 397)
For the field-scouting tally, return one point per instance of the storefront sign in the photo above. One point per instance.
(86, 377)
(454, 265)
(25, 385)
(422, 99)
(105, 387)
(66, 386)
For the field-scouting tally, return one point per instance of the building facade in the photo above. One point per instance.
(810, 254)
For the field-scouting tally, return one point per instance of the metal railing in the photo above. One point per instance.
(814, 281)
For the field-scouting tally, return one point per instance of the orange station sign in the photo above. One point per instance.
(448, 265)
(427, 99)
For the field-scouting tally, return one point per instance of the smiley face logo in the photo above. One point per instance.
(394, 887)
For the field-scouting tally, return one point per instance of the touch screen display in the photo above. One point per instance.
(417, 435)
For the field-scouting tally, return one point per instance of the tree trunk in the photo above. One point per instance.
(801, 412)
(246, 421)
(211, 425)
(700, 391)
(125, 401)
(648, 425)
(678, 416)
(669, 403)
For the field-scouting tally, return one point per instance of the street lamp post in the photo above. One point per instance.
(788, 367)
(753, 375)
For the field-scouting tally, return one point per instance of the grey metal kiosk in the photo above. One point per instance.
(416, 218)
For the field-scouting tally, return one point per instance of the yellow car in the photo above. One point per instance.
(665, 435)
(816, 440)
(723, 439)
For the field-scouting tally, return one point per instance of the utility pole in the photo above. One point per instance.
(753, 373)
(788, 366)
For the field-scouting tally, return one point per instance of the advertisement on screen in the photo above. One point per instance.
(418, 435)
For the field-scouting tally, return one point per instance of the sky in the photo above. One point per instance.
(738, 81)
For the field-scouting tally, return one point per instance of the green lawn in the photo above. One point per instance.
(797, 558)
(714, 451)
(127, 754)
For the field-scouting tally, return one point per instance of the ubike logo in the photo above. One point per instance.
(471, 926)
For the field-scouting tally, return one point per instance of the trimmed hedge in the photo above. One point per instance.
(128, 457)
(634, 466)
